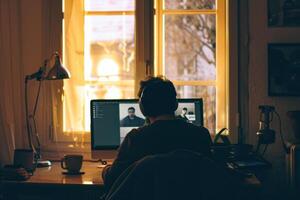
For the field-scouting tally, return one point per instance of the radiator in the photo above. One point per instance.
(293, 166)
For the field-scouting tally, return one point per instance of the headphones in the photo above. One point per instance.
(159, 104)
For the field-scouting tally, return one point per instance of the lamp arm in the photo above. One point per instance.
(33, 130)
(37, 98)
(40, 74)
(35, 133)
(34, 121)
(27, 115)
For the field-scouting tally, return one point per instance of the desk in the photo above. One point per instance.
(50, 183)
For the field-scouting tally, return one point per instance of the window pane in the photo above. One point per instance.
(109, 48)
(190, 4)
(109, 5)
(190, 47)
(208, 94)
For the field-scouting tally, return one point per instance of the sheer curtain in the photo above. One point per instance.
(74, 88)
(12, 126)
(77, 94)
(22, 50)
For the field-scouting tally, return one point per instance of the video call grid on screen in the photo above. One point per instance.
(111, 120)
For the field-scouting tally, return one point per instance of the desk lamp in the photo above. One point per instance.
(57, 72)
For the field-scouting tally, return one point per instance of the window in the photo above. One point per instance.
(100, 41)
(190, 50)
(99, 45)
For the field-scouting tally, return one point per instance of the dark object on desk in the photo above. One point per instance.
(24, 158)
(73, 173)
(72, 163)
(43, 163)
(15, 173)
(251, 163)
(223, 152)
(239, 157)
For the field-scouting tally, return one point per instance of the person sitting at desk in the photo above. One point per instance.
(165, 133)
(131, 120)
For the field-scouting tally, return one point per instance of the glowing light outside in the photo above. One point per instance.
(108, 69)
(108, 46)
(87, 182)
(113, 92)
(104, 31)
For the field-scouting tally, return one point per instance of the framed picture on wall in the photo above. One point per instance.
(283, 13)
(284, 69)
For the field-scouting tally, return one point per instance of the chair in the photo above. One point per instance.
(181, 174)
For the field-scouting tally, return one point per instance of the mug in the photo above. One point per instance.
(72, 163)
(24, 158)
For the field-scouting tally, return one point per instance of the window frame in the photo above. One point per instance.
(221, 82)
(146, 60)
(64, 136)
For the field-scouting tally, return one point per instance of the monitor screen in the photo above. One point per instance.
(111, 120)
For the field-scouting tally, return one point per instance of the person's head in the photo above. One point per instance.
(131, 112)
(184, 111)
(157, 97)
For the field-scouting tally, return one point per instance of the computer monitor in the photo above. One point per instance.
(111, 120)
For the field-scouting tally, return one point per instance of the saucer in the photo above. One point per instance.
(73, 173)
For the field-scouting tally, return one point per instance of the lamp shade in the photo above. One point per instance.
(58, 72)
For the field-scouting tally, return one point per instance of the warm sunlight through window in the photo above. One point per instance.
(99, 42)
(190, 50)
(107, 69)
(99, 48)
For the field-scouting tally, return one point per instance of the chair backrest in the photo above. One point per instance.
(181, 174)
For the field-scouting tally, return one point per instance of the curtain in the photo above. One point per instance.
(12, 126)
(69, 115)
(77, 91)
(30, 32)
(50, 105)
(74, 90)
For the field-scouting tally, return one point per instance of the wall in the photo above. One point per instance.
(259, 36)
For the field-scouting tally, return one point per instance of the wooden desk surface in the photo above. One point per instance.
(53, 175)
(49, 183)
(92, 176)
